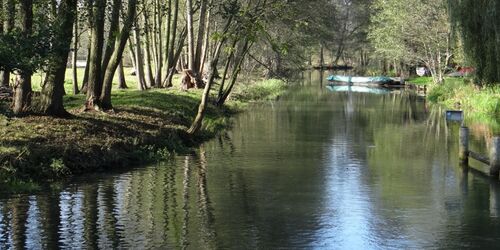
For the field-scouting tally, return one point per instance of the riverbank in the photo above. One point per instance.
(146, 126)
(479, 104)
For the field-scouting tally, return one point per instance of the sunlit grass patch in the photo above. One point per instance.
(479, 103)
(262, 90)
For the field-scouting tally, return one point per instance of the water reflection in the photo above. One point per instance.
(318, 169)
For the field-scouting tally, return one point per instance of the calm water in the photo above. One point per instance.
(317, 169)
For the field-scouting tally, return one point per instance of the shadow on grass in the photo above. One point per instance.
(145, 125)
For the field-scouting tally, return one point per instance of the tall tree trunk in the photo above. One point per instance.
(321, 56)
(226, 69)
(76, 90)
(2, 83)
(168, 23)
(158, 45)
(205, 43)
(22, 87)
(97, 41)
(53, 86)
(196, 125)
(86, 72)
(131, 53)
(139, 60)
(117, 56)
(1, 16)
(190, 34)
(122, 84)
(201, 32)
(147, 52)
(114, 26)
(172, 61)
(8, 13)
(175, 58)
(236, 71)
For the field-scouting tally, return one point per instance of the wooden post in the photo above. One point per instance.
(463, 150)
(495, 157)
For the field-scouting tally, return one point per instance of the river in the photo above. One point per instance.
(316, 169)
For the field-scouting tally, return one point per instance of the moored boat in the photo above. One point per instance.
(359, 80)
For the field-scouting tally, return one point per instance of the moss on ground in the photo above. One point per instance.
(146, 126)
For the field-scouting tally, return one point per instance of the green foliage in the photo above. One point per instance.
(421, 81)
(21, 52)
(479, 26)
(58, 167)
(34, 51)
(412, 32)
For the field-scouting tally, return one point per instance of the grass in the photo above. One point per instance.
(37, 79)
(426, 80)
(480, 104)
(261, 90)
(146, 126)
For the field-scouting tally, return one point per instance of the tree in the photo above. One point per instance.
(413, 33)
(22, 88)
(232, 9)
(479, 28)
(7, 24)
(76, 90)
(190, 34)
(51, 102)
(95, 57)
(117, 55)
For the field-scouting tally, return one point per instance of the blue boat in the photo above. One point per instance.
(360, 80)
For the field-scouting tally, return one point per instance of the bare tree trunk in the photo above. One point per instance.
(139, 63)
(168, 23)
(8, 14)
(85, 80)
(205, 43)
(131, 53)
(226, 69)
(97, 41)
(86, 73)
(158, 45)
(122, 84)
(190, 34)
(76, 90)
(236, 71)
(175, 58)
(114, 27)
(22, 87)
(201, 32)
(171, 39)
(2, 77)
(147, 52)
(196, 125)
(321, 56)
(2, 73)
(116, 57)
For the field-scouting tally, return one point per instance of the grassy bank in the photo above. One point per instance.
(479, 104)
(147, 126)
